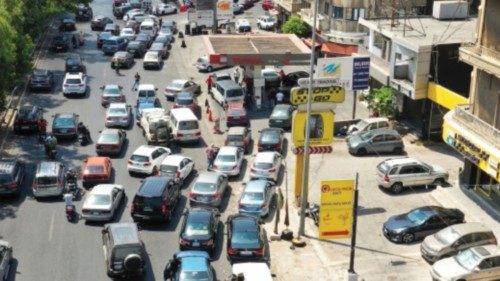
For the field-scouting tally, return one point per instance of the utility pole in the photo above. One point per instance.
(393, 12)
(354, 227)
(215, 23)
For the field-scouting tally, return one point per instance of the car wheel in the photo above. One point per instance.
(397, 150)
(439, 181)
(209, 68)
(397, 188)
(408, 238)
(361, 151)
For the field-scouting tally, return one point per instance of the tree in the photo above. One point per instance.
(381, 101)
(296, 26)
(7, 55)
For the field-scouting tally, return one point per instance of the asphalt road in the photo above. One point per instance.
(46, 246)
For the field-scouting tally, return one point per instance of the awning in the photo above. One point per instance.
(337, 49)
(308, 42)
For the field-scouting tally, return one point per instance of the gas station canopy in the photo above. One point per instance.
(275, 49)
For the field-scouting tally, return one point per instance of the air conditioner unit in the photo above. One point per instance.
(449, 10)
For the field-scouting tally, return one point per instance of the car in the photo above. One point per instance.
(156, 199)
(41, 79)
(132, 14)
(120, 10)
(114, 44)
(243, 25)
(103, 36)
(203, 64)
(266, 22)
(238, 9)
(12, 174)
(164, 38)
(271, 78)
(103, 201)
(67, 24)
(160, 48)
(187, 100)
(99, 23)
(83, 12)
(253, 271)
(124, 252)
(247, 4)
(271, 139)
(149, 26)
(199, 229)
(134, 25)
(419, 223)
(96, 169)
(376, 141)
(146, 38)
(478, 263)
(240, 137)
(74, 64)
(181, 85)
(236, 115)
(152, 59)
(398, 173)
(146, 92)
(166, 9)
(291, 78)
(111, 93)
(75, 83)
(256, 198)
(177, 166)
(208, 189)
(27, 119)
(145, 104)
(113, 28)
(5, 259)
(194, 265)
(369, 124)
(49, 180)
(281, 117)
(245, 238)
(137, 48)
(455, 238)
(118, 115)
(64, 125)
(62, 43)
(268, 5)
(170, 24)
(110, 142)
(125, 58)
(266, 165)
(147, 159)
(229, 160)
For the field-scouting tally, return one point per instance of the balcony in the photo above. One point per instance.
(349, 3)
(292, 6)
(379, 68)
(307, 16)
(482, 57)
(345, 25)
(464, 116)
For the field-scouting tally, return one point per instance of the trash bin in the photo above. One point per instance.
(194, 29)
(199, 30)
(187, 30)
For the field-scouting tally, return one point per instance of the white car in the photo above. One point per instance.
(266, 22)
(102, 202)
(181, 85)
(147, 159)
(243, 25)
(132, 14)
(118, 115)
(177, 166)
(228, 160)
(75, 83)
(203, 64)
(266, 165)
(477, 263)
(166, 9)
(146, 92)
(128, 33)
(152, 60)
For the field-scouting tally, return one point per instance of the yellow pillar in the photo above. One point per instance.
(299, 162)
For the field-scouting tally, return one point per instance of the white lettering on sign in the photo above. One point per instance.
(324, 82)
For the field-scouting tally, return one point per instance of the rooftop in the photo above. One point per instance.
(255, 44)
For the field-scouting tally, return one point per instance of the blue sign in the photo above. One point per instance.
(360, 73)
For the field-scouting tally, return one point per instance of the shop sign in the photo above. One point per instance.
(319, 94)
(336, 209)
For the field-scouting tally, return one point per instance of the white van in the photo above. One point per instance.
(228, 91)
(149, 26)
(184, 124)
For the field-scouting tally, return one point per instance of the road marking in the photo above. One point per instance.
(51, 226)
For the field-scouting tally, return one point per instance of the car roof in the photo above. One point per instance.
(47, 168)
(266, 157)
(469, 227)
(104, 188)
(117, 105)
(121, 54)
(153, 186)
(385, 131)
(266, 130)
(151, 54)
(208, 177)
(237, 130)
(96, 160)
(375, 119)
(64, 115)
(256, 185)
(243, 219)
(487, 250)
(110, 131)
(41, 72)
(146, 87)
(228, 150)
(173, 159)
(178, 81)
(402, 161)
(124, 232)
(145, 149)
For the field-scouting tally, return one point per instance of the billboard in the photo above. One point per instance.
(354, 72)
(319, 94)
(321, 129)
(336, 209)
(224, 9)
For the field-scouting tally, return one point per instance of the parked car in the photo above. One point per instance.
(243, 25)
(281, 117)
(161, 49)
(103, 36)
(266, 165)
(419, 223)
(172, 25)
(267, 5)
(27, 119)
(114, 44)
(113, 28)
(12, 174)
(41, 79)
(177, 166)
(291, 79)
(62, 42)
(5, 259)
(199, 229)
(128, 33)
(111, 93)
(124, 251)
(238, 9)
(96, 169)
(166, 9)
(120, 11)
(64, 125)
(187, 100)
(181, 85)
(203, 64)
(236, 115)
(84, 12)
(164, 38)
(376, 141)
(208, 189)
(455, 238)
(245, 238)
(369, 124)
(228, 161)
(194, 265)
(256, 198)
(146, 38)
(103, 201)
(67, 25)
(147, 159)
(266, 22)
(152, 59)
(397, 173)
(478, 263)
(125, 58)
(271, 139)
(271, 78)
(156, 199)
(135, 26)
(118, 115)
(110, 142)
(74, 64)
(75, 83)
(137, 48)
(99, 23)
(239, 137)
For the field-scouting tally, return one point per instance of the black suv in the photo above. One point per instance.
(137, 48)
(74, 64)
(11, 176)
(67, 24)
(199, 229)
(27, 119)
(124, 252)
(84, 13)
(99, 23)
(41, 79)
(65, 41)
(156, 199)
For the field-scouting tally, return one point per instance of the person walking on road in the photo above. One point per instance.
(117, 67)
(210, 151)
(280, 97)
(236, 75)
(209, 82)
(137, 80)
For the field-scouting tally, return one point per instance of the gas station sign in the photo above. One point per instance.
(319, 94)
(321, 129)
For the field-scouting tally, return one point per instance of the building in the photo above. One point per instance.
(418, 58)
(474, 129)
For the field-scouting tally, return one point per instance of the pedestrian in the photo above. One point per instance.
(210, 156)
(225, 105)
(282, 75)
(272, 97)
(207, 106)
(161, 22)
(136, 81)
(117, 67)
(236, 75)
(280, 97)
(209, 82)
(171, 268)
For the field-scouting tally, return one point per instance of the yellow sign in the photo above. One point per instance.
(321, 129)
(335, 213)
(319, 94)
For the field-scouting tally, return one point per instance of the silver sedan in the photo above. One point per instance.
(208, 189)
(102, 202)
(118, 115)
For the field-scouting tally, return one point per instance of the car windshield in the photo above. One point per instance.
(73, 81)
(447, 236)
(234, 93)
(99, 199)
(117, 111)
(127, 31)
(134, 45)
(417, 216)
(263, 165)
(111, 92)
(139, 158)
(270, 137)
(252, 197)
(94, 169)
(366, 135)
(146, 93)
(234, 138)
(467, 259)
(270, 74)
(193, 276)
(46, 180)
(73, 62)
(63, 122)
(279, 113)
(108, 138)
(105, 35)
(383, 167)
(196, 227)
(184, 101)
(235, 112)
(205, 187)
(188, 125)
(226, 158)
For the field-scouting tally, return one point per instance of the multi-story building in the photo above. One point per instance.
(474, 128)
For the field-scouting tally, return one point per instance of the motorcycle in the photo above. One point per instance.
(83, 139)
(70, 213)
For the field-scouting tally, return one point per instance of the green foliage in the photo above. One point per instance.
(296, 26)
(381, 101)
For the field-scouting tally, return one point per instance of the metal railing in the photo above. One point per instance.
(478, 126)
(373, 58)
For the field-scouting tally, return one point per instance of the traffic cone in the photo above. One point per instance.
(210, 115)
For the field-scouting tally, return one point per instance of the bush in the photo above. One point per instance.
(381, 101)
(296, 26)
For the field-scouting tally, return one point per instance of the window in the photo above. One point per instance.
(420, 169)
(406, 170)
(326, 8)
(391, 138)
(354, 14)
(378, 138)
(338, 12)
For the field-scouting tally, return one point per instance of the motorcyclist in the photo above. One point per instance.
(171, 268)
(82, 130)
(68, 201)
(50, 144)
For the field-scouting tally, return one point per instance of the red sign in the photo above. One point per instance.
(335, 233)
(313, 150)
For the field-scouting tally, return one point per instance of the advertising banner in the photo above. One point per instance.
(224, 9)
(354, 72)
(335, 213)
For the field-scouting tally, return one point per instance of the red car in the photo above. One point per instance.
(96, 170)
(267, 5)
(236, 115)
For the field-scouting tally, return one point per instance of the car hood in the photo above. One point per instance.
(448, 268)
(396, 223)
(433, 245)
(438, 169)
(354, 140)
